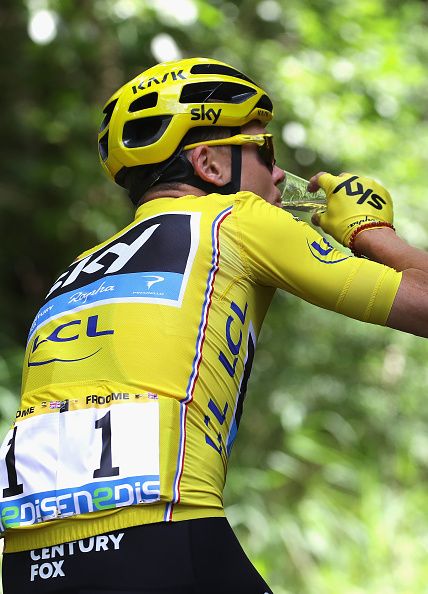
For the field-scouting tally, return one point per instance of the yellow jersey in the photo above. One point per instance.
(137, 363)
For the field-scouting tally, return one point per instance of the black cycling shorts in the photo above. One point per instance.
(191, 557)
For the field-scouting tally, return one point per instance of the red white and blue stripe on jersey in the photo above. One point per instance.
(215, 237)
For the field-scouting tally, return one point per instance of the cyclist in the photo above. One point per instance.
(137, 363)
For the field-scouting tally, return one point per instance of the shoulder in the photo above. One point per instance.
(251, 209)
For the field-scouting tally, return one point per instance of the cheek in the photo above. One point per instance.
(255, 176)
(264, 178)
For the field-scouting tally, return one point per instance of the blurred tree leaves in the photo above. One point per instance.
(327, 480)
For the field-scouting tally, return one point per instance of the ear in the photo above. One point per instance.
(212, 164)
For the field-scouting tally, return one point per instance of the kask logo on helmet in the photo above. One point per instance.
(145, 84)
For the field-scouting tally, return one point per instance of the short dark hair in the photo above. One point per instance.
(206, 133)
(136, 177)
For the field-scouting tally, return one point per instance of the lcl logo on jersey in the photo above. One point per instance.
(66, 333)
(150, 262)
(324, 252)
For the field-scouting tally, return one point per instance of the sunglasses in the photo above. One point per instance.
(264, 144)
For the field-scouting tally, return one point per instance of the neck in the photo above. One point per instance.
(177, 192)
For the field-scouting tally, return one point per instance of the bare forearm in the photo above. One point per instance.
(409, 312)
(384, 246)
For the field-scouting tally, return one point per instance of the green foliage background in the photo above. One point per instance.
(327, 483)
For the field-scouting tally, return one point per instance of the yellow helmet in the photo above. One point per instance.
(146, 119)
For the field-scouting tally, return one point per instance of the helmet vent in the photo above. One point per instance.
(144, 131)
(103, 146)
(265, 103)
(144, 102)
(108, 110)
(219, 69)
(216, 92)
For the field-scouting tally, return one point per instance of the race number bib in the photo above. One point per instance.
(72, 460)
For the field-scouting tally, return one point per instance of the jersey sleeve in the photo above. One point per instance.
(283, 252)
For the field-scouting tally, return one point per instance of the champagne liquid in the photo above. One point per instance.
(295, 196)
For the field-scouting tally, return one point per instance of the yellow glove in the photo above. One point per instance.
(353, 204)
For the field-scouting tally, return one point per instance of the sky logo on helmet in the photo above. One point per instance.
(210, 114)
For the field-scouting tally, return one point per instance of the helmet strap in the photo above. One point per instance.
(182, 170)
(236, 166)
(231, 187)
(178, 168)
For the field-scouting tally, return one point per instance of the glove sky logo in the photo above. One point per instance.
(376, 201)
(323, 254)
